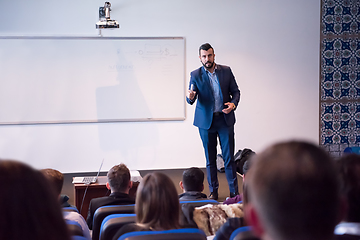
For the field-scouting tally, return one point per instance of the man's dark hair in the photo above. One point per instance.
(119, 178)
(348, 168)
(246, 166)
(205, 47)
(56, 179)
(193, 179)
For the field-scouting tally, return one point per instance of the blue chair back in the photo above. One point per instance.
(174, 234)
(243, 233)
(112, 223)
(105, 211)
(78, 238)
(352, 150)
(199, 203)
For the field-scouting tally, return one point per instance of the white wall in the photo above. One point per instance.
(271, 46)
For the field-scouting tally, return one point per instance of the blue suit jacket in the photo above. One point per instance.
(204, 94)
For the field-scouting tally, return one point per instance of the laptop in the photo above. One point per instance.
(88, 179)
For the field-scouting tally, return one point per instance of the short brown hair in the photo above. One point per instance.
(56, 179)
(119, 178)
(294, 189)
(157, 202)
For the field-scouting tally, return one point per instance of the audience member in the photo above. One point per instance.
(119, 182)
(293, 193)
(56, 179)
(240, 197)
(157, 205)
(192, 184)
(232, 224)
(29, 208)
(349, 175)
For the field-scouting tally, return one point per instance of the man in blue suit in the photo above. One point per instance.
(217, 93)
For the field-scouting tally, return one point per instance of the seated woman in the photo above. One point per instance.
(28, 206)
(156, 205)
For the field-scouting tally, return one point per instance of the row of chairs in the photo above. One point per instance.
(112, 218)
(112, 222)
(174, 234)
(108, 219)
(242, 233)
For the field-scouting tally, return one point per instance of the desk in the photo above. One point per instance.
(96, 190)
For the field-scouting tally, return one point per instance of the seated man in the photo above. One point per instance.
(293, 193)
(349, 175)
(119, 183)
(56, 179)
(192, 184)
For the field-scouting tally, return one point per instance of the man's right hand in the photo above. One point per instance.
(191, 94)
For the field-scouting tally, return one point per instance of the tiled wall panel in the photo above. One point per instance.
(340, 75)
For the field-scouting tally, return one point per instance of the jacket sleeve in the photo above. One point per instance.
(234, 90)
(192, 81)
(89, 218)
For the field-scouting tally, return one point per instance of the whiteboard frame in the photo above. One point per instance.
(101, 120)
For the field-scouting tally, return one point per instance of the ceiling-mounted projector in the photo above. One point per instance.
(104, 17)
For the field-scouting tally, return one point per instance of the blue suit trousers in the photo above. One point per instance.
(219, 129)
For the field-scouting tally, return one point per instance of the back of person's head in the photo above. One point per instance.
(246, 166)
(293, 192)
(56, 179)
(349, 175)
(193, 179)
(29, 207)
(119, 178)
(157, 203)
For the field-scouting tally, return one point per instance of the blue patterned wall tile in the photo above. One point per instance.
(340, 123)
(340, 16)
(340, 77)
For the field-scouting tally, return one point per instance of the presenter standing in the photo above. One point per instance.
(217, 93)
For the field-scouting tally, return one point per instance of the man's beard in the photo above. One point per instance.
(208, 65)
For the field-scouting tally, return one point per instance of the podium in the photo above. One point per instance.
(95, 190)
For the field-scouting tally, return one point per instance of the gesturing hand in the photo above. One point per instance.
(191, 94)
(230, 107)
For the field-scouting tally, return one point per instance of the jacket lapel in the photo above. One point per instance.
(220, 76)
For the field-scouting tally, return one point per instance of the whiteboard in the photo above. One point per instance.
(92, 79)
